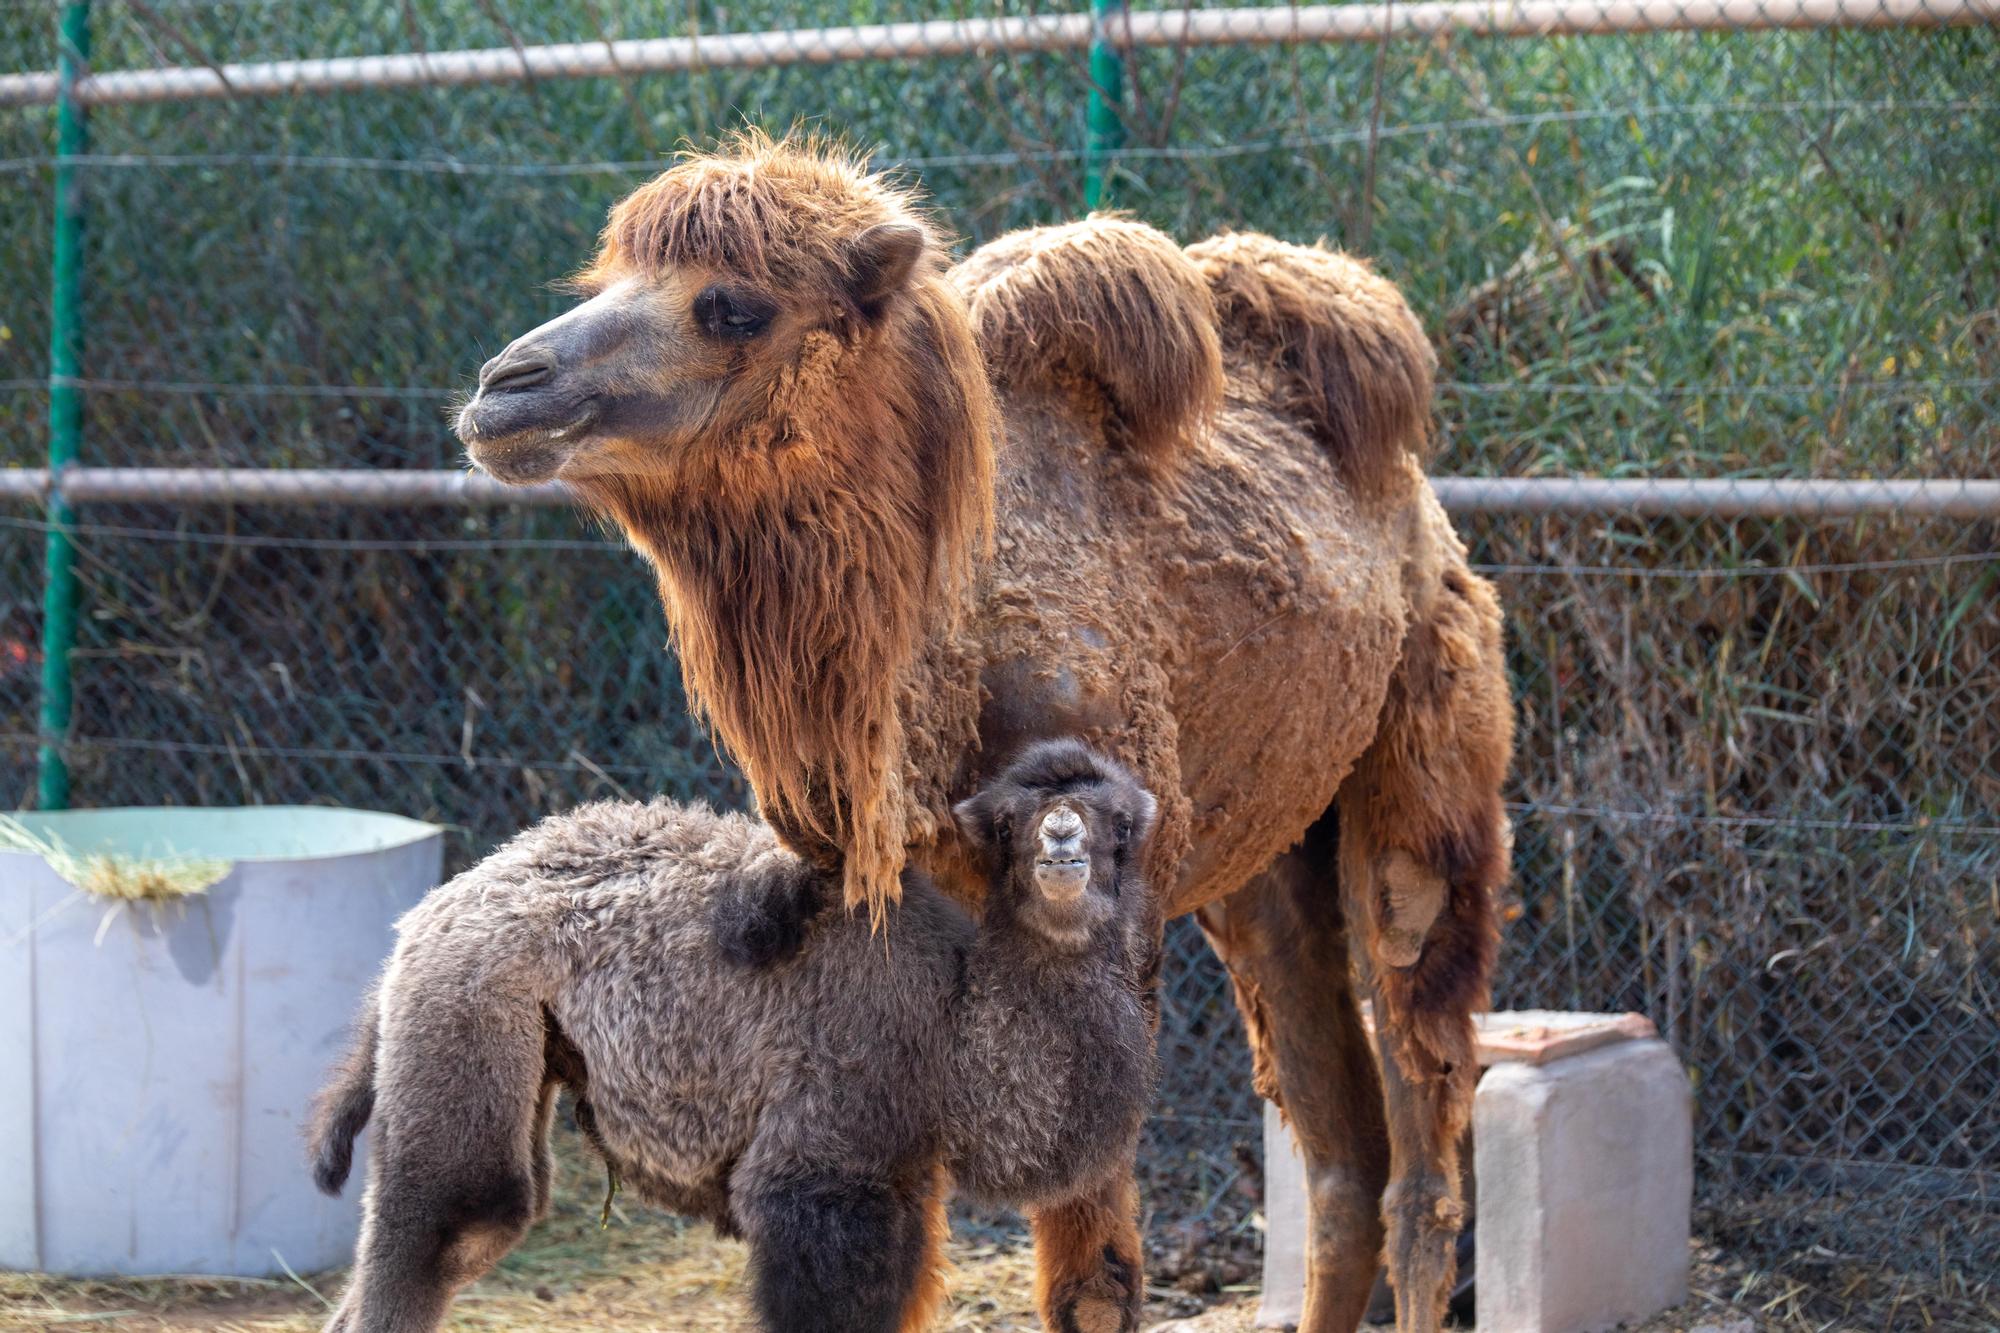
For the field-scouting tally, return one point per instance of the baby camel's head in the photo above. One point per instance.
(1062, 830)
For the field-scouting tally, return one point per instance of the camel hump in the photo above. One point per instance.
(1107, 310)
(1346, 353)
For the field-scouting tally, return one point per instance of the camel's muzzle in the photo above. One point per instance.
(540, 397)
(1063, 869)
(520, 439)
(526, 420)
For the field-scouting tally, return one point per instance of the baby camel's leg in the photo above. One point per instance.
(1089, 1262)
(418, 1253)
(454, 1178)
(933, 1270)
(838, 1253)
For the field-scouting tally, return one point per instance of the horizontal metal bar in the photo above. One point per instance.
(985, 36)
(1649, 497)
(278, 486)
(1662, 497)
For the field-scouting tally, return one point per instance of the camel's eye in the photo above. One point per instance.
(724, 312)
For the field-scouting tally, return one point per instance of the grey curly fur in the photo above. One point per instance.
(808, 1101)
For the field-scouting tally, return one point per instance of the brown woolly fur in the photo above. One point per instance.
(934, 1269)
(1108, 310)
(1351, 358)
(1252, 599)
(777, 210)
(1010, 1061)
(804, 556)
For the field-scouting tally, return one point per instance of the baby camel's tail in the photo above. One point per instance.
(345, 1103)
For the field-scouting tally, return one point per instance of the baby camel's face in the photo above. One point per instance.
(1062, 830)
(1070, 856)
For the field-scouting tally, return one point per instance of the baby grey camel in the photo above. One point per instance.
(820, 1102)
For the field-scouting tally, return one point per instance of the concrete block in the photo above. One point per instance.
(1583, 1147)
(1285, 1227)
(1586, 1177)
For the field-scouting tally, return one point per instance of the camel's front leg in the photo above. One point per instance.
(1089, 1268)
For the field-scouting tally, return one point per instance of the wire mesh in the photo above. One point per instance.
(1757, 797)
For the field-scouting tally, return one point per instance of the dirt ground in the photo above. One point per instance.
(650, 1273)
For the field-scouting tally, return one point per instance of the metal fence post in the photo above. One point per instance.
(1104, 128)
(65, 408)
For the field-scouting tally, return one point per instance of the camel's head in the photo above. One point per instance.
(717, 315)
(772, 391)
(1063, 832)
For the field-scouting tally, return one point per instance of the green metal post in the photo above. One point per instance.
(1104, 129)
(65, 407)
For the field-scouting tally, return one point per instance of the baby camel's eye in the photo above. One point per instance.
(726, 313)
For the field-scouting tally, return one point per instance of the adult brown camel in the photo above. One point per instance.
(906, 518)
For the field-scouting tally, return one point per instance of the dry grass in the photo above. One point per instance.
(1807, 1293)
(118, 879)
(646, 1272)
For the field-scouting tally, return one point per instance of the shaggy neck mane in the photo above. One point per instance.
(804, 562)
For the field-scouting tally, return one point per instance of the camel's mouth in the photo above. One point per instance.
(1062, 871)
(1062, 879)
(521, 438)
(523, 467)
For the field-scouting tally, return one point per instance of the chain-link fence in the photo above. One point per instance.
(1758, 792)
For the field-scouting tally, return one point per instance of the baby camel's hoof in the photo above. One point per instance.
(1106, 1302)
(1098, 1316)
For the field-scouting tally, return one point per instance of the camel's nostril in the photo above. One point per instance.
(1062, 824)
(516, 369)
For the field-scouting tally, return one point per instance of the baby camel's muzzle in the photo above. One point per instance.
(1063, 868)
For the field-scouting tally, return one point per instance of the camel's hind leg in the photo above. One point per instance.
(1423, 850)
(1285, 942)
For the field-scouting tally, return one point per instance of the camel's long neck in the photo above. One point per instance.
(794, 623)
(808, 615)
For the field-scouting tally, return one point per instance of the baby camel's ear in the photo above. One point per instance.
(1145, 810)
(977, 821)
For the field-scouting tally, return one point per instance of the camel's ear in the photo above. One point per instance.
(1136, 818)
(1144, 812)
(880, 261)
(977, 818)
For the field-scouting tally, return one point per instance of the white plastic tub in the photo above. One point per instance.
(156, 1063)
